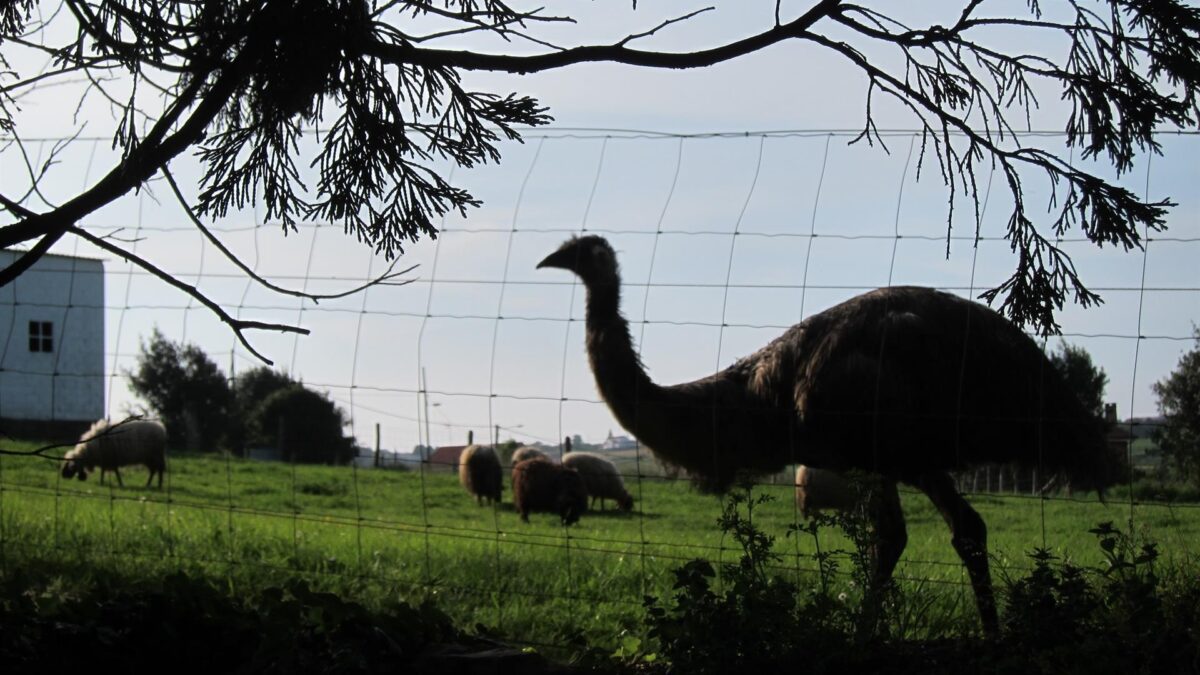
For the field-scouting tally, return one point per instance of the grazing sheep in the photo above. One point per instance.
(541, 485)
(113, 446)
(479, 473)
(818, 489)
(601, 478)
(527, 452)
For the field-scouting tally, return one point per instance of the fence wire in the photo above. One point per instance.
(701, 224)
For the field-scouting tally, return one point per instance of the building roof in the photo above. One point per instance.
(446, 454)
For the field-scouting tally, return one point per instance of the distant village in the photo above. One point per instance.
(446, 456)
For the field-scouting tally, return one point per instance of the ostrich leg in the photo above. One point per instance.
(891, 535)
(969, 537)
(889, 538)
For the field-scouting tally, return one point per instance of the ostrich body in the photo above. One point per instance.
(905, 382)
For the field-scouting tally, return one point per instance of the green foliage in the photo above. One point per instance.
(505, 451)
(305, 425)
(1117, 617)
(250, 389)
(370, 536)
(142, 625)
(753, 621)
(1179, 402)
(1082, 375)
(186, 390)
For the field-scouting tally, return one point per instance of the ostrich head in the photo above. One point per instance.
(590, 257)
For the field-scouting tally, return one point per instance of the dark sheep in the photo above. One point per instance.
(540, 485)
(479, 472)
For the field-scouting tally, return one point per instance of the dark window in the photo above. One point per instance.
(41, 336)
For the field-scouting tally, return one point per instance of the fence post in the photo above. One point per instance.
(377, 445)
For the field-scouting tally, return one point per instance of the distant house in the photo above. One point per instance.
(446, 456)
(614, 443)
(52, 347)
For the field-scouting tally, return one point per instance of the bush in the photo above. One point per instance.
(250, 389)
(48, 625)
(185, 389)
(1127, 616)
(305, 426)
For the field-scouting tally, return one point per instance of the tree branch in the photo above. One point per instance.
(140, 162)
(1106, 213)
(398, 54)
(238, 325)
(315, 297)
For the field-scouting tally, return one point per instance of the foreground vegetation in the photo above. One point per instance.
(381, 538)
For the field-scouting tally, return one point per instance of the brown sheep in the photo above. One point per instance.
(479, 472)
(541, 485)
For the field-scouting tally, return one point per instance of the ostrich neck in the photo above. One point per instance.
(640, 405)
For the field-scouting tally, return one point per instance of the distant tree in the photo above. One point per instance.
(185, 389)
(305, 425)
(505, 451)
(250, 389)
(1085, 378)
(1179, 402)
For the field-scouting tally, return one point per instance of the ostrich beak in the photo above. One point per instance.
(562, 258)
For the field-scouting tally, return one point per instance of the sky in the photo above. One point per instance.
(817, 220)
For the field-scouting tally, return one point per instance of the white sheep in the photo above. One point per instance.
(601, 477)
(112, 446)
(527, 452)
(818, 489)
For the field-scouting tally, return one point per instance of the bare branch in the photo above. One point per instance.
(1044, 275)
(668, 22)
(388, 275)
(238, 325)
(616, 53)
(242, 81)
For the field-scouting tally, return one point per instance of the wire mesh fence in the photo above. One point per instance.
(724, 241)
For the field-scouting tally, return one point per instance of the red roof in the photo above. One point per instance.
(447, 454)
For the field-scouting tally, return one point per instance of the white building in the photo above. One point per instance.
(52, 346)
(614, 443)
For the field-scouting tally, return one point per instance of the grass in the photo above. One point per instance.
(379, 536)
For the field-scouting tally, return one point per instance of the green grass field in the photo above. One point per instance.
(374, 535)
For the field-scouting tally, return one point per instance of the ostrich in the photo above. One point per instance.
(908, 383)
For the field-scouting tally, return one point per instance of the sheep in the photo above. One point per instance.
(601, 478)
(527, 452)
(541, 485)
(479, 473)
(818, 489)
(111, 446)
